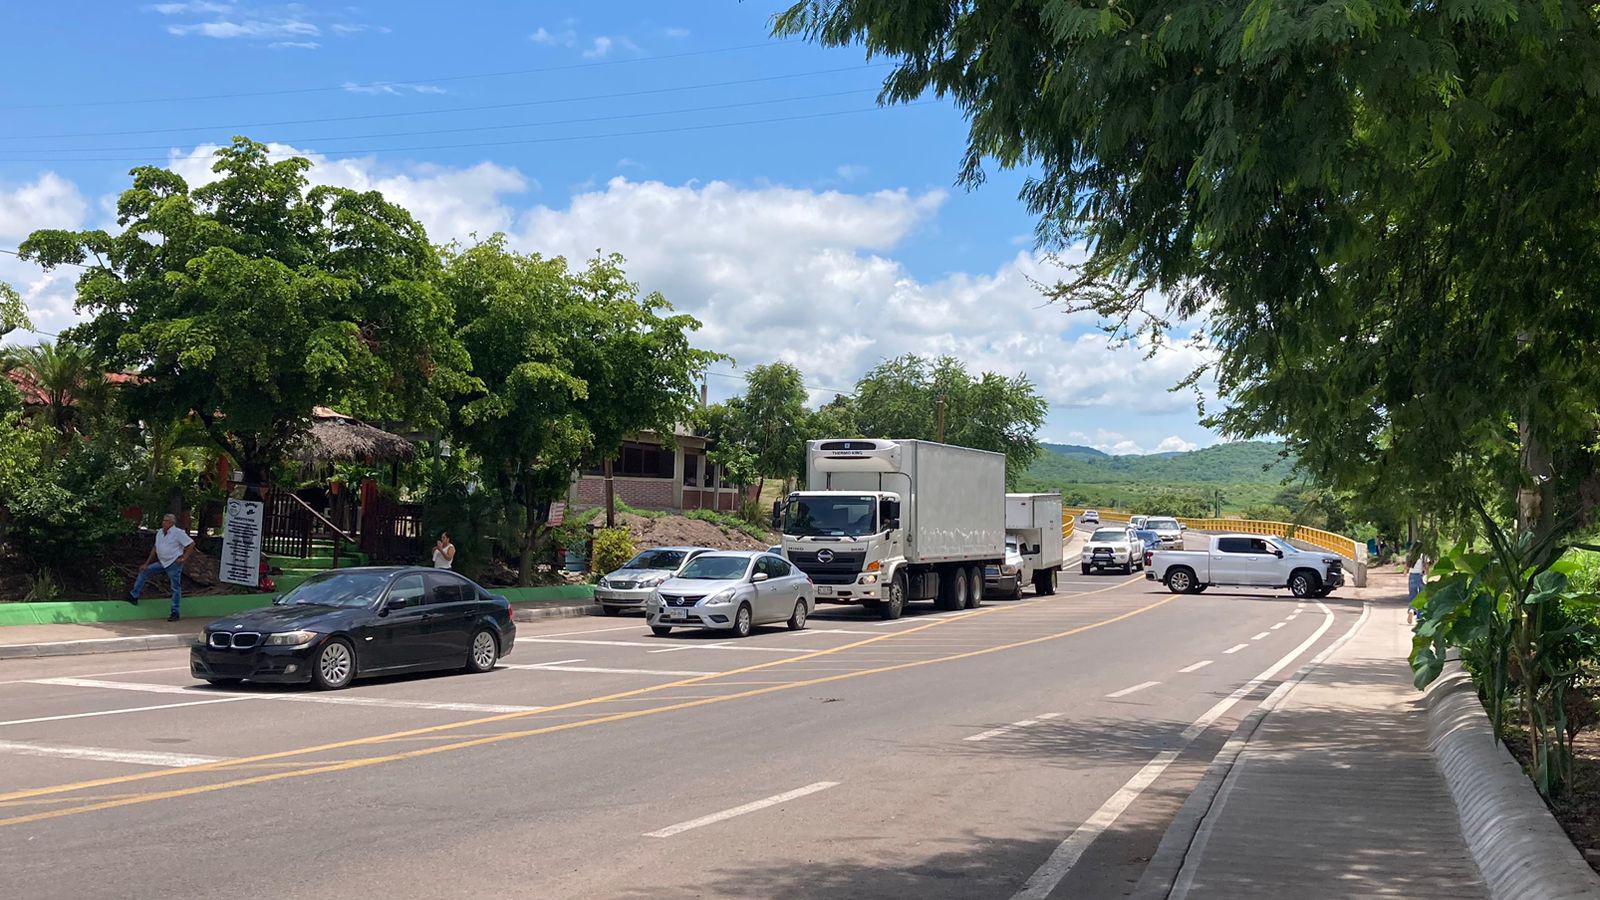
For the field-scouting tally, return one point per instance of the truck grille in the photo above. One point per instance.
(676, 600)
(841, 569)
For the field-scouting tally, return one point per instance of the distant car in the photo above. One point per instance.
(1137, 522)
(351, 623)
(1090, 517)
(1168, 529)
(1005, 580)
(631, 585)
(732, 590)
(1112, 547)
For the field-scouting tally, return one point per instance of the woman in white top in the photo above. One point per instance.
(444, 552)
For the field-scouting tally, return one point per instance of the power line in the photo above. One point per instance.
(446, 110)
(522, 142)
(502, 127)
(410, 82)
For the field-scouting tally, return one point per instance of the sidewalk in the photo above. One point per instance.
(1336, 793)
(26, 641)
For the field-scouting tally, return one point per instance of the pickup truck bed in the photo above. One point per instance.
(1248, 561)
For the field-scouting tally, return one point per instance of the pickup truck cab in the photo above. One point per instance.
(1250, 561)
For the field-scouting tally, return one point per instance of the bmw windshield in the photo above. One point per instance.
(346, 590)
(831, 517)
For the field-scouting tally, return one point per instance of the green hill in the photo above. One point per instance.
(1247, 474)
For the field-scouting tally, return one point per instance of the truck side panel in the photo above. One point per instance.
(958, 508)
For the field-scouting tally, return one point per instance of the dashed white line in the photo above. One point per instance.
(1048, 876)
(1261, 635)
(291, 698)
(105, 754)
(1235, 648)
(1196, 666)
(1003, 729)
(751, 807)
(1129, 690)
(1279, 625)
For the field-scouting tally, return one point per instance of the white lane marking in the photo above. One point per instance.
(636, 626)
(1045, 879)
(1261, 635)
(806, 631)
(1047, 715)
(1279, 625)
(1235, 648)
(1195, 667)
(292, 698)
(104, 754)
(726, 814)
(591, 643)
(1003, 729)
(553, 662)
(554, 667)
(657, 645)
(117, 712)
(729, 646)
(104, 674)
(1129, 690)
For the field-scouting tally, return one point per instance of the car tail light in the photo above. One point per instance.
(1149, 557)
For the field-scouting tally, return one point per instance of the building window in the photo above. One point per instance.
(638, 460)
(691, 469)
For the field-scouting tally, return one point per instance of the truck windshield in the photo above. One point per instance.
(831, 517)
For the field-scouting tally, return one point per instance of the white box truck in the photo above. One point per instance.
(1033, 547)
(884, 522)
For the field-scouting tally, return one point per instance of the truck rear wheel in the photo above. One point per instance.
(951, 581)
(974, 587)
(1044, 582)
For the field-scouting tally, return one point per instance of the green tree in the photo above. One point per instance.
(13, 312)
(769, 418)
(902, 398)
(569, 364)
(1387, 212)
(251, 299)
(67, 385)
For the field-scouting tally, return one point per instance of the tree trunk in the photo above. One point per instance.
(611, 498)
(255, 478)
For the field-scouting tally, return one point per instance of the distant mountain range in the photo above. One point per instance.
(1246, 472)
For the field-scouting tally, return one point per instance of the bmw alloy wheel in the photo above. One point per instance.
(335, 665)
(483, 651)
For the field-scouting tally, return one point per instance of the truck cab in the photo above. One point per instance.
(842, 539)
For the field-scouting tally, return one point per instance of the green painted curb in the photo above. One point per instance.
(80, 612)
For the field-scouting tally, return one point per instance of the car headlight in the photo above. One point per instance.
(205, 636)
(1008, 570)
(290, 639)
(722, 597)
(653, 580)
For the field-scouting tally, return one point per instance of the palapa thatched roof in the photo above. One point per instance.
(334, 437)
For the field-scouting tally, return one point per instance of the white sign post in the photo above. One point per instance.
(241, 544)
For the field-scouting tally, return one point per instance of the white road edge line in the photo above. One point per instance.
(1129, 690)
(1048, 876)
(1194, 667)
(712, 819)
(118, 712)
(1235, 648)
(104, 754)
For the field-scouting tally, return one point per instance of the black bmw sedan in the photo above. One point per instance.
(351, 623)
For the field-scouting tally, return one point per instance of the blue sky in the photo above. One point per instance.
(752, 181)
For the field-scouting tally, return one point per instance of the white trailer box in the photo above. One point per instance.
(952, 498)
(1035, 520)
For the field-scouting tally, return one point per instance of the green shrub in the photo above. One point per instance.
(64, 500)
(612, 548)
(729, 523)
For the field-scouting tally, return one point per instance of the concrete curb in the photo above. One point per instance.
(172, 641)
(1165, 869)
(1519, 847)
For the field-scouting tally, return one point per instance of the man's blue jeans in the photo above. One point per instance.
(174, 574)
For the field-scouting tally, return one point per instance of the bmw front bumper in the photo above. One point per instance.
(284, 665)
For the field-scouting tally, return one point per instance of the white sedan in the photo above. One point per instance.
(732, 591)
(1112, 548)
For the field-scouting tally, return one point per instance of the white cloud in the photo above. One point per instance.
(391, 88)
(1119, 444)
(48, 201)
(566, 37)
(178, 9)
(677, 33)
(850, 171)
(1175, 444)
(599, 48)
(294, 45)
(248, 28)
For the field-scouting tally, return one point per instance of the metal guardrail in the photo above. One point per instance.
(1349, 548)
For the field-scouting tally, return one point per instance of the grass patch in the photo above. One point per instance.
(727, 522)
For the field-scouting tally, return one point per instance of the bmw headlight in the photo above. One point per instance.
(722, 597)
(290, 639)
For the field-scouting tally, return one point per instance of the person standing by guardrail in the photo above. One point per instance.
(1417, 573)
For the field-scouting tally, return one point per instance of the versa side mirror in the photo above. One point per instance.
(758, 577)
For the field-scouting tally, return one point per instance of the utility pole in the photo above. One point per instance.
(611, 497)
(942, 399)
(1218, 502)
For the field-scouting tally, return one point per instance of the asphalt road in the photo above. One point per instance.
(1032, 748)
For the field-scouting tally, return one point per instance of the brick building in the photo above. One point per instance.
(649, 475)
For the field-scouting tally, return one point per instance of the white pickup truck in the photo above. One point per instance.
(1248, 560)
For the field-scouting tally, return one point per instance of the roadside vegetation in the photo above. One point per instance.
(1386, 215)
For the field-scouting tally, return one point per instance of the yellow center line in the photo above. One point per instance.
(361, 762)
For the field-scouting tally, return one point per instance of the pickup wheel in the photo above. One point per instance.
(1180, 580)
(1085, 569)
(1304, 583)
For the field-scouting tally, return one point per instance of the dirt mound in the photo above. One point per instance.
(681, 531)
